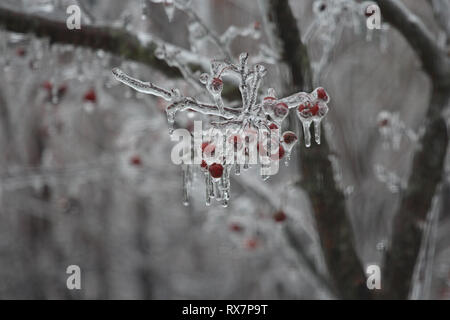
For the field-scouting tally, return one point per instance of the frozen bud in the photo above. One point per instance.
(204, 77)
(160, 52)
(280, 111)
(243, 56)
(268, 104)
(216, 85)
(319, 7)
(260, 69)
(175, 93)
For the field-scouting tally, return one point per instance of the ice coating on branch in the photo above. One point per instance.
(392, 129)
(331, 18)
(235, 138)
(312, 111)
(288, 141)
(169, 6)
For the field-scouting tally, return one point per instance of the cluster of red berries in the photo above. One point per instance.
(310, 109)
(48, 86)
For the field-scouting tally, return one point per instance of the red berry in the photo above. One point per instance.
(217, 84)
(279, 216)
(280, 154)
(301, 107)
(322, 94)
(90, 96)
(273, 126)
(281, 109)
(289, 137)
(21, 52)
(47, 85)
(62, 89)
(204, 164)
(216, 170)
(236, 227)
(383, 123)
(368, 13)
(251, 243)
(136, 160)
(208, 148)
(314, 109)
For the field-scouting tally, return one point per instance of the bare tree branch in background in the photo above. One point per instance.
(428, 161)
(113, 40)
(328, 202)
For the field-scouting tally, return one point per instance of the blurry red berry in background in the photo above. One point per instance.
(273, 126)
(257, 25)
(235, 227)
(135, 160)
(90, 96)
(383, 123)
(216, 170)
(20, 52)
(251, 243)
(279, 216)
(204, 164)
(47, 85)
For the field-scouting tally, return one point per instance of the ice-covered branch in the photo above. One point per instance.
(433, 58)
(113, 40)
(328, 202)
(428, 160)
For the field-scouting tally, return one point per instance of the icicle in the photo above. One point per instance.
(144, 9)
(169, 8)
(185, 169)
(208, 188)
(170, 120)
(306, 132)
(288, 140)
(317, 130)
(247, 122)
(217, 191)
